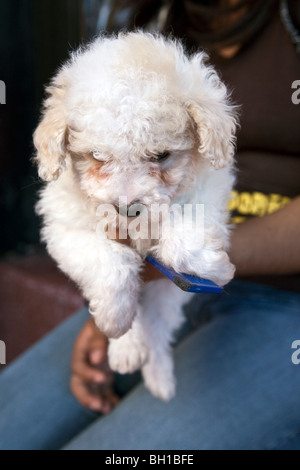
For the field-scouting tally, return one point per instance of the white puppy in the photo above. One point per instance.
(133, 119)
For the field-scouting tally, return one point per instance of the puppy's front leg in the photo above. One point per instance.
(162, 317)
(197, 250)
(106, 271)
(147, 344)
(114, 305)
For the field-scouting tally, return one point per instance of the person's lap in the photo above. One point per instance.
(237, 386)
(37, 409)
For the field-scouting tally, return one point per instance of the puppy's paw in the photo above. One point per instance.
(112, 321)
(224, 271)
(209, 264)
(217, 267)
(159, 378)
(127, 354)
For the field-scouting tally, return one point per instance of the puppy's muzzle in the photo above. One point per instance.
(134, 210)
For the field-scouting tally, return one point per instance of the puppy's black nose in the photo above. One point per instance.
(133, 210)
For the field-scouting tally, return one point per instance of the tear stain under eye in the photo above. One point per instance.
(96, 172)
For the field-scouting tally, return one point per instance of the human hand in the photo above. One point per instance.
(92, 379)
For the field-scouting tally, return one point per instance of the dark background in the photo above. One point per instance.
(35, 39)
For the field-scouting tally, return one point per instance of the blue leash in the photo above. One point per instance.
(186, 282)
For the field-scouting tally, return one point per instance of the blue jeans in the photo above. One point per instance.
(237, 387)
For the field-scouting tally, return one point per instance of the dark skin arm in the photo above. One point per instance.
(268, 245)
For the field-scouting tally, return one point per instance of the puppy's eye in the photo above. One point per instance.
(160, 157)
(97, 156)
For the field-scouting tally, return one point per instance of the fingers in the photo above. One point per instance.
(97, 350)
(81, 392)
(96, 356)
(85, 361)
(91, 380)
(102, 403)
(88, 373)
(89, 334)
(89, 350)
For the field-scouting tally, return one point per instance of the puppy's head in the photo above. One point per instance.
(134, 116)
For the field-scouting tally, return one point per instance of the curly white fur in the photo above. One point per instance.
(110, 110)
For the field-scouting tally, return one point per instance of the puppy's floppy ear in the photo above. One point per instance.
(51, 134)
(215, 126)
